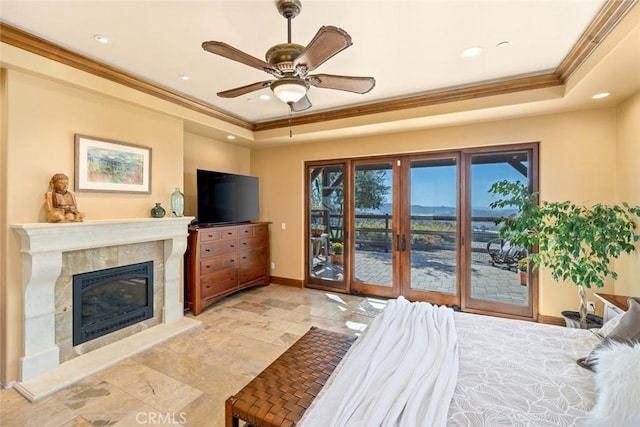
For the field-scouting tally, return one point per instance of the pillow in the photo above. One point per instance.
(626, 330)
(617, 381)
(609, 326)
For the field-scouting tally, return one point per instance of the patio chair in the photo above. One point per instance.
(505, 255)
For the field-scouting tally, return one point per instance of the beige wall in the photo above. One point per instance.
(38, 140)
(209, 154)
(3, 222)
(577, 161)
(627, 178)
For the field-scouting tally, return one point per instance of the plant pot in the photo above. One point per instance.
(336, 258)
(572, 320)
(523, 278)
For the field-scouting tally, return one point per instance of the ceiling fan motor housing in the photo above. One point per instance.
(282, 56)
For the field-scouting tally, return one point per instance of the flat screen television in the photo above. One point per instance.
(226, 198)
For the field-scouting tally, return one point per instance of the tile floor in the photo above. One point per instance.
(185, 380)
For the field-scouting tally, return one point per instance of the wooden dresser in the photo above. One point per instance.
(221, 260)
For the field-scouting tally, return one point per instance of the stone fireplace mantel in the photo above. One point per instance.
(42, 247)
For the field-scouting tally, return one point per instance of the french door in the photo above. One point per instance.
(409, 245)
(420, 226)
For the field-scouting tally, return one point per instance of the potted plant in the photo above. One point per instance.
(522, 269)
(337, 252)
(317, 229)
(575, 242)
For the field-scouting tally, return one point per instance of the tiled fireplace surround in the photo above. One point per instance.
(51, 253)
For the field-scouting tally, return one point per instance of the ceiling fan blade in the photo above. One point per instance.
(232, 93)
(327, 42)
(230, 52)
(303, 104)
(349, 83)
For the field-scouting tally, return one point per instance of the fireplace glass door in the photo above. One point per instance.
(107, 300)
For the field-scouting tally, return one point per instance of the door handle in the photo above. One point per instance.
(397, 242)
(404, 243)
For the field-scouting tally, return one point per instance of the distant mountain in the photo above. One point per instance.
(439, 211)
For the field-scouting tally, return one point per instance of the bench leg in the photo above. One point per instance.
(229, 419)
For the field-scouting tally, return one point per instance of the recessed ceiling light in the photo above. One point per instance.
(471, 52)
(231, 137)
(184, 77)
(600, 95)
(101, 39)
(503, 44)
(264, 97)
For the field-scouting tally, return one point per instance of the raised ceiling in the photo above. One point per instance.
(412, 48)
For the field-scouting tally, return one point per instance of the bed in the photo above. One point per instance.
(423, 365)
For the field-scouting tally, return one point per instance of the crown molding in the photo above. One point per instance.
(604, 22)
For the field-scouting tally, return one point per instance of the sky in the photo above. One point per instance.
(435, 186)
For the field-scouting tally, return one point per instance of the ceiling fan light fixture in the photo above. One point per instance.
(289, 90)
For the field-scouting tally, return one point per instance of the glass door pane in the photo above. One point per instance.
(495, 283)
(326, 226)
(373, 228)
(433, 219)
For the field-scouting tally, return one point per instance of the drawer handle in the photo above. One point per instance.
(232, 246)
(209, 235)
(232, 260)
(207, 250)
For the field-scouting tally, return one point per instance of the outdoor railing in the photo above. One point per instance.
(428, 232)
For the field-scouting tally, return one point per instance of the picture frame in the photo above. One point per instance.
(103, 165)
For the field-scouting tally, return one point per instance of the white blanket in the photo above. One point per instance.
(401, 372)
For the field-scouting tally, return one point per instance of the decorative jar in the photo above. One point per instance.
(158, 211)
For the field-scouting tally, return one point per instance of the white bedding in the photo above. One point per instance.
(517, 373)
(510, 373)
(370, 389)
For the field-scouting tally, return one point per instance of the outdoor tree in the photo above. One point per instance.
(370, 189)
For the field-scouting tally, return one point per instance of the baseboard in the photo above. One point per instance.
(551, 320)
(284, 281)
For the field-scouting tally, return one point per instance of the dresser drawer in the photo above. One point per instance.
(217, 283)
(218, 248)
(228, 232)
(209, 235)
(252, 272)
(245, 231)
(217, 263)
(260, 230)
(253, 256)
(253, 242)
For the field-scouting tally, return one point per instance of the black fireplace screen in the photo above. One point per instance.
(107, 300)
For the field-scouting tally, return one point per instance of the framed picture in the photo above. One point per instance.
(111, 166)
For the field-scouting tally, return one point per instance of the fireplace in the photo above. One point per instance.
(107, 300)
(52, 254)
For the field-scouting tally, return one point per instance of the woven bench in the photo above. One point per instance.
(285, 389)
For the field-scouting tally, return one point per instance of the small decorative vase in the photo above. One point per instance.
(177, 202)
(157, 211)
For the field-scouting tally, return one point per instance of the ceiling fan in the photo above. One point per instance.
(290, 63)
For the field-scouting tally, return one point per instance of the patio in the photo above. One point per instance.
(434, 270)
